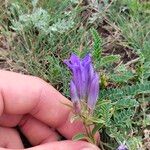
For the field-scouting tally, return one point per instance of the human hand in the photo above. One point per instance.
(37, 108)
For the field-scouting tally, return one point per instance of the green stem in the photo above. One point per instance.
(89, 133)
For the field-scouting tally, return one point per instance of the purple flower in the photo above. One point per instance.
(84, 85)
(122, 147)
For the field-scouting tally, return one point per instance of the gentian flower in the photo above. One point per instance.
(122, 147)
(84, 85)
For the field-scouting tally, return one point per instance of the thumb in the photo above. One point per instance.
(63, 145)
(66, 145)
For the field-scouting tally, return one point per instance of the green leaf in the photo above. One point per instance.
(96, 128)
(147, 120)
(122, 118)
(34, 3)
(116, 94)
(109, 59)
(97, 46)
(97, 43)
(121, 75)
(126, 103)
(104, 112)
(78, 136)
(134, 142)
(96, 120)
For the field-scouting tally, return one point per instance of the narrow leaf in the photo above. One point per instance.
(96, 128)
(78, 136)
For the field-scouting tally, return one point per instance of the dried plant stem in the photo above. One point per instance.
(6, 3)
(101, 145)
(132, 61)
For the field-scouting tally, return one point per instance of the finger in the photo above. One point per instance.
(64, 145)
(9, 120)
(28, 124)
(21, 94)
(37, 132)
(9, 138)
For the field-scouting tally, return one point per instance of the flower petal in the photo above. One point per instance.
(74, 59)
(91, 72)
(122, 147)
(73, 92)
(78, 77)
(67, 62)
(86, 60)
(85, 81)
(93, 92)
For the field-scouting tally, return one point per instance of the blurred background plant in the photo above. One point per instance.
(36, 36)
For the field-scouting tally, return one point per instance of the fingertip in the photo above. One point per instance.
(90, 147)
(10, 138)
(67, 145)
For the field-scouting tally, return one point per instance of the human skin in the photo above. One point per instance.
(39, 111)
